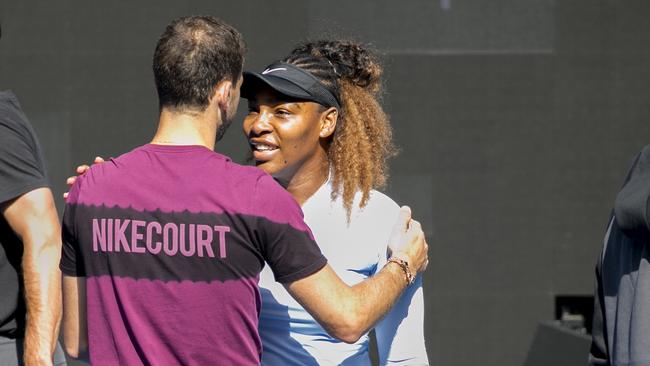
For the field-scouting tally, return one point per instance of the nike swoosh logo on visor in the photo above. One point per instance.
(271, 70)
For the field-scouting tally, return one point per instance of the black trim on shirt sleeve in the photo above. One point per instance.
(303, 273)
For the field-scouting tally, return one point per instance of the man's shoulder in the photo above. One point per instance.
(255, 179)
(110, 167)
(241, 172)
(268, 189)
(174, 175)
(12, 119)
(110, 173)
(21, 163)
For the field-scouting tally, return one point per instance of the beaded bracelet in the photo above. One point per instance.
(410, 278)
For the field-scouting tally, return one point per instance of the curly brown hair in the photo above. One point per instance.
(362, 141)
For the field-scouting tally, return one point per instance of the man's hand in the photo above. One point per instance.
(81, 170)
(408, 243)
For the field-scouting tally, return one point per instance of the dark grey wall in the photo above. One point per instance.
(517, 121)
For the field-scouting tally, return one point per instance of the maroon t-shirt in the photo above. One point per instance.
(171, 240)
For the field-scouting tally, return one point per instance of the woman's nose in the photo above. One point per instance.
(261, 123)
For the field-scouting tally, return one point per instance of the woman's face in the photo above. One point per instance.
(285, 135)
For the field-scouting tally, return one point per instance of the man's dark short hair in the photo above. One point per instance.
(192, 56)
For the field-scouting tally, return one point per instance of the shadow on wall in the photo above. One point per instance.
(557, 345)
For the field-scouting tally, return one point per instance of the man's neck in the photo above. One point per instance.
(186, 128)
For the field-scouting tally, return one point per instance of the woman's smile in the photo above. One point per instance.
(263, 150)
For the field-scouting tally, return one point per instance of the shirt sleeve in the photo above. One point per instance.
(400, 335)
(598, 352)
(286, 242)
(71, 263)
(21, 169)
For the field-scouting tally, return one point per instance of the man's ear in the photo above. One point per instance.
(328, 120)
(222, 94)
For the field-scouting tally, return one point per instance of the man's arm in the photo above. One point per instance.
(34, 219)
(75, 330)
(348, 312)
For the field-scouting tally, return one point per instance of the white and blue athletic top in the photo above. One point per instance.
(356, 251)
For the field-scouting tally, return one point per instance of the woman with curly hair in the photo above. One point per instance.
(316, 125)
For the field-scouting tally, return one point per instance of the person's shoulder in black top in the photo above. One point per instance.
(21, 163)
